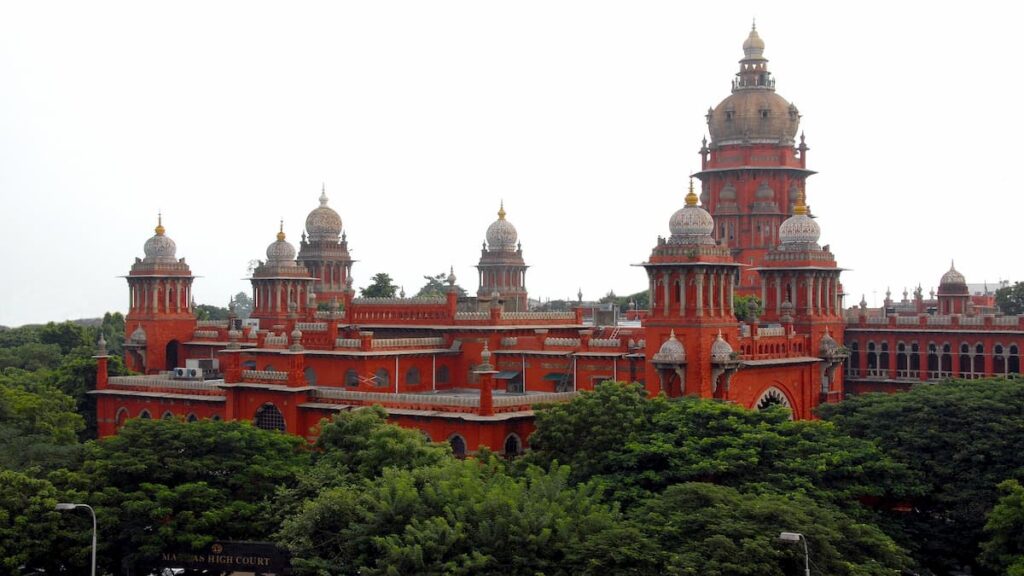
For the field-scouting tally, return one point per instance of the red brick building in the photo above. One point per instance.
(471, 376)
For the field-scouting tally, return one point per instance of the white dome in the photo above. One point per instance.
(160, 248)
(281, 250)
(501, 234)
(691, 224)
(671, 351)
(323, 223)
(953, 277)
(721, 351)
(799, 229)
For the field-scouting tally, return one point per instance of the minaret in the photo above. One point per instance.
(280, 286)
(691, 287)
(752, 168)
(324, 252)
(160, 317)
(501, 266)
(953, 292)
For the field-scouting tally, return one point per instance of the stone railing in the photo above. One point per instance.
(311, 326)
(531, 399)
(205, 334)
(769, 331)
(571, 342)
(538, 316)
(877, 320)
(471, 400)
(472, 316)
(940, 320)
(1006, 320)
(272, 340)
(264, 375)
(408, 343)
(972, 321)
(509, 341)
(399, 301)
(212, 324)
(908, 320)
(605, 342)
(328, 315)
(347, 343)
(160, 382)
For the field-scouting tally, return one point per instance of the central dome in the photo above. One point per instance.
(691, 224)
(160, 248)
(501, 234)
(323, 223)
(754, 113)
(280, 251)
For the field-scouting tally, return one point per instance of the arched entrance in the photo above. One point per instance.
(774, 397)
(171, 355)
(458, 444)
(268, 417)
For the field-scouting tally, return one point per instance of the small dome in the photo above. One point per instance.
(502, 235)
(691, 224)
(728, 193)
(721, 351)
(753, 46)
(323, 223)
(671, 351)
(799, 231)
(280, 250)
(160, 248)
(828, 346)
(953, 277)
(764, 192)
(138, 336)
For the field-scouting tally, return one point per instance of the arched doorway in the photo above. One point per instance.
(268, 417)
(513, 446)
(458, 444)
(171, 355)
(774, 397)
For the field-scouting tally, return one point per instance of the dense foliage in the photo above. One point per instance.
(1010, 299)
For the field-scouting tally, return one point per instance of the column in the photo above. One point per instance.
(711, 293)
(722, 306)
(665, 294)
(732, 291)
(700, 292)
(682, 292)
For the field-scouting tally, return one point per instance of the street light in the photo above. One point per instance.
(68, 506)
(797, 537)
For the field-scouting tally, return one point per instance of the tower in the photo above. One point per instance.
(323, 251)
(691, 285)
(752, 168)
(501, 266)
(953, 292)
(160, 317)
(280, 287)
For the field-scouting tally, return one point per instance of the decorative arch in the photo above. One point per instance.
(382, 378)
(412, 376)
(191, 417)
(145, 415)
(167, 415)
(513, 446)
(268, 417)
(458, 444)
(120, 417)
(772, 397)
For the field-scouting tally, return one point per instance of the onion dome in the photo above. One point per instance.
(485, 360)
(691, 224)
(721, 351)
(281, 250)
(323, 223)
(671, 351)
(501, 234)
(138, 336)
(764, 192)
(799, 231)
(728, 193)
(754, 112)
(296, 340)
(828, 347)
(953, 282)
(160, 248)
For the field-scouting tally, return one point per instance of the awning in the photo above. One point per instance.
(506, 375)
(558, 376)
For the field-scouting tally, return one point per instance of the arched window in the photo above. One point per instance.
(310, 375)
(351, 377)
(883, 359)
(999, 360)
(191, 417)
(872, 360)
(902, 360)
(268, 417)
(853, 366)
(914, 371)
(145, 415)
(966, 370)
(773, 397)
(458, 444)
(442, 375)
(933, 360)
(382, 378)
(979, 360)
(167, 415)
(947, 360)
(513, 446)
(1013, 361)
(412, 376)
(249, 365)
(120, 418)
(215, 418)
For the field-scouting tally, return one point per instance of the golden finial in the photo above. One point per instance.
(159, 224)
(801, 206)
(501, 211)
(691, 197)
(280, 232)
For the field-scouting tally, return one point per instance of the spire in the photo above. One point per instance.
(501, 211)
(691, 197)
(280, 232)
(801, 206)
(323, 194)
(159, 224)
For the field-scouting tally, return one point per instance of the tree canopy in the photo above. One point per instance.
(381, 286)
(1010, 299)
(437, 287)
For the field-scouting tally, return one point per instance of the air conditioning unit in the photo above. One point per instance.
(181, 373)
(195, 373)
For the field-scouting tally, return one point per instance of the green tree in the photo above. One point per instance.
(1010, 299)
(31, 356)
(437, 287)
(702, 528)
(960, 439)
(171, 485)
(210, 312)
(67, 335)
(381, 286)
(30, 528)
(243, 305)
(38, 423)
(76, 376)
(1003, 551)
(747, 307)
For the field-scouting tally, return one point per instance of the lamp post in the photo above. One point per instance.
(798, 537)
(69, 506)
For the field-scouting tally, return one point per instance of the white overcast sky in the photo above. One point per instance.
(585, 117)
